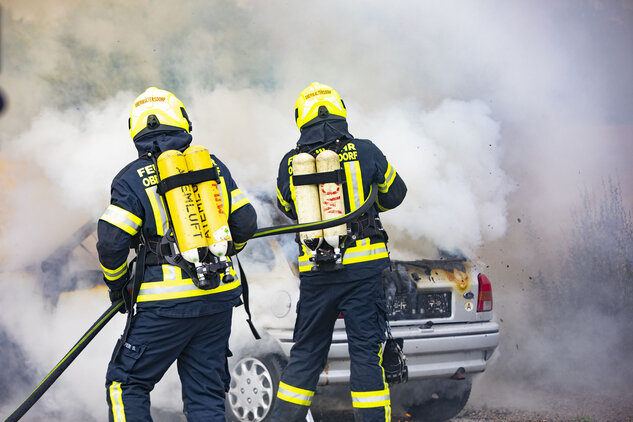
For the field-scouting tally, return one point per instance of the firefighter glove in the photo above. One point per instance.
(124, 293)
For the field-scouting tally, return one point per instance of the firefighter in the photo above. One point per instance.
(328, 289)
(174, 319)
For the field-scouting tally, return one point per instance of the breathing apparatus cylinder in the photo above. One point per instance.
(181, 202)
(307, 200)
(331, 197)
(215, 225)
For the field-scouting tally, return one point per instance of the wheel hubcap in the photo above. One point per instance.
(251, 393)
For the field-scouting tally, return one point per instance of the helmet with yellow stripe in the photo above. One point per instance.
(157, 109)
(318, 102)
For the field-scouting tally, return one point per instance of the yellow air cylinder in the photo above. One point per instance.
(215, 224)
(307, 200)
(182, 207)
(331, 197)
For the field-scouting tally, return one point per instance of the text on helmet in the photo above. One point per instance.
(317, 92)
(149, 99)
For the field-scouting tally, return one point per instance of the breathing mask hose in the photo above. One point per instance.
(65, 362)
(294, 228)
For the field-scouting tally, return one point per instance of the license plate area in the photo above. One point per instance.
(419, 305)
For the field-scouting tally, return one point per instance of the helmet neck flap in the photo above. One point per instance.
(324, 131)
(162, 140)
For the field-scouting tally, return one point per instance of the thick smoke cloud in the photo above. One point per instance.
(492, 112)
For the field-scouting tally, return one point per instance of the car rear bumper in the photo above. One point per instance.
(437, 351)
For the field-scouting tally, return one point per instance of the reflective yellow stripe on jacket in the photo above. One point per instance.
(173, 286)
(116, 273)
(238, 199)
(390, 176)
(122, 219)
(362, 251)
(281, 199)
(354, 179)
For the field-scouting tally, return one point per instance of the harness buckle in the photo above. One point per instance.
(327, 260)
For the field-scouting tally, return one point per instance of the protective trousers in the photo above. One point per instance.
(363, 307)
(199, 344)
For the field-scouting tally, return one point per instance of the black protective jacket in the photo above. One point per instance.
(364, 164)
(137, 211)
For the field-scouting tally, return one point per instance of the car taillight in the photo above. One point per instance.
(484, 300)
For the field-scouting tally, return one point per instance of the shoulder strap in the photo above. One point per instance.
(245, 295)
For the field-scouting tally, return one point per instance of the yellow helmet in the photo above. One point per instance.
(156, 108)
(318, 101)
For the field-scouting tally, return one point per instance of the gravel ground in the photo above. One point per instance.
(553, 408)
(560, 408)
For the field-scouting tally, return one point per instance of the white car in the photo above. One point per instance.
(441, 311)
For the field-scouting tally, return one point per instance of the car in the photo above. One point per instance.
(439, 310)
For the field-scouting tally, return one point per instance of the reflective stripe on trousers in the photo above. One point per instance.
(294, 394)
(371, 398)
(116, 398)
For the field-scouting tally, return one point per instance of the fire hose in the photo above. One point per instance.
(294, 228)
(114, 308)
(65, 362)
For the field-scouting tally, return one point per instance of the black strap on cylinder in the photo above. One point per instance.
(189, 178)
(334, 176)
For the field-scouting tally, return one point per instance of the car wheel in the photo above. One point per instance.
(441, 406)
(254, 383)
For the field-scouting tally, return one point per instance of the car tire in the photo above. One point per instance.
(253, 390)
(441, 406)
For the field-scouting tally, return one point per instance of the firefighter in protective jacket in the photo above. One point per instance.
(351, 284)
(175, 320)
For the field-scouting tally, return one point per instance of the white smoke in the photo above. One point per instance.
(489, 111)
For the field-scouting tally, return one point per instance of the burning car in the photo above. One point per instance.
(440, 311)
